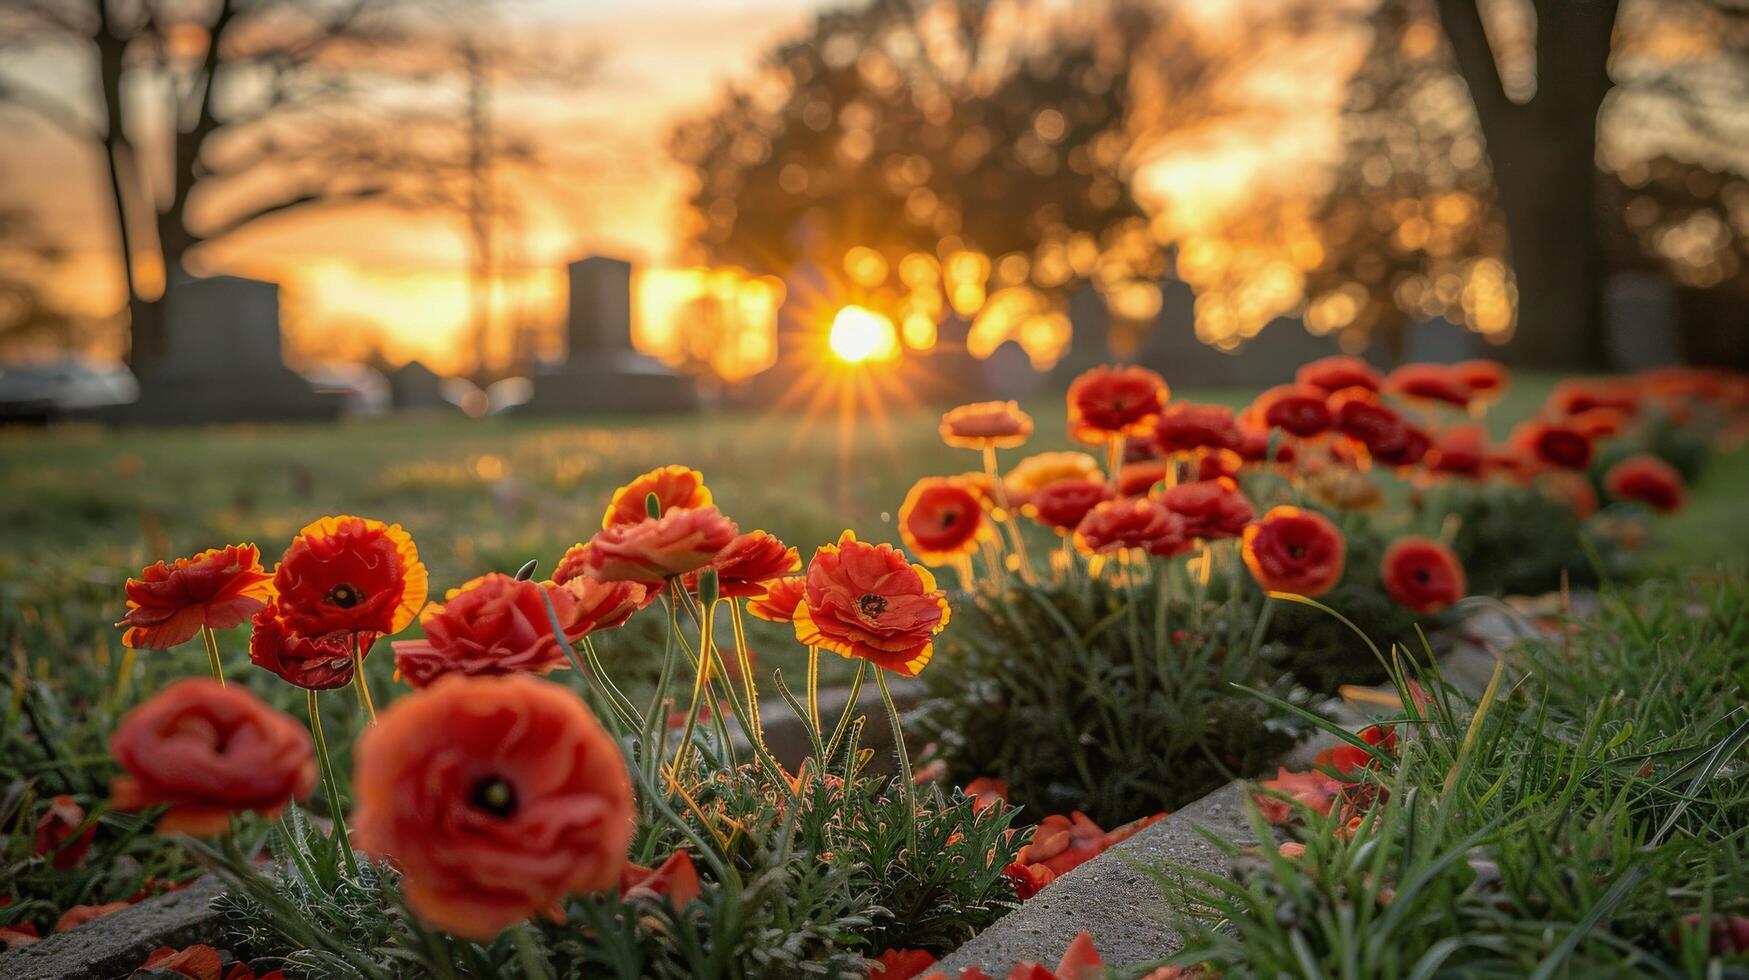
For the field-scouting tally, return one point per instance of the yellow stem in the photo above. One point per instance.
(359, 681)
(212, 654)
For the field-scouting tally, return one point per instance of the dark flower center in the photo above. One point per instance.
(1296, 552)
(949, 517)
(872, 605)
(1423, 576)
(495, 796)
(345, 595)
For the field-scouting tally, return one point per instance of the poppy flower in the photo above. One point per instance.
(1254, 446)
(681, 540)
(1063, 504)
(1339, 371)
(218, 589)
(675, 487)
(1429, 383)
(1299, 410)
(1484, 378)
(1109, 403)
(1359, 414)
(1346, 757)
(900, 964)
(1404, 445)
(980, 425)
(350, 574)
(1186, 426)
(778, 604)
(1125, 525)
(1554, 444)
(572, 564)
(941, 520)
(1136, 479)
(750, 561)
(1423, 575)
(586, 605)
(58, 836)
(1459, 450)
(676, 878)
(1038, 471)
(495, 797)
(1210, 508)
(1599, 423)
(1028, 879)
(1294, 550)
(986, 792)
(200, 962)
(1314, 790)
(494, 624)
(317, 663)
(1575, 396)
(1062, 844)
(1217, 464)
(866, 601)
(1649, 480)
(209, 751)
(1572, 488)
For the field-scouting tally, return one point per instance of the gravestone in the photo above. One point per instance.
(221, 361)
(1089, 337)
(602, 373)
(1440, 341)
(1008, 374)
(1171, 348)
(413, 387)
(1640, 322)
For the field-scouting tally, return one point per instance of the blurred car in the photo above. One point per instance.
(70, 387)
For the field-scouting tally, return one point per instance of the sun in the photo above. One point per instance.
(860, 335)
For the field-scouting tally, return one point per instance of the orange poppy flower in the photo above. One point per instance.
(1125, 525)
(1572, 488)
(1554, 444)
(1339, 371)
(572, 564)
(1359, 414)
(1649, 480)
(866, 601)
(1254, 446)
(1404, 445)
(1186, 426)
(941, 520)
(1063, 504)
(1217, 464)
(1297, 409)
(493, 624)
(218, 589)
(1210, 508)
(1484, 378)
(675, 487)
(900, 964)
(747, 564)
(586, 605)
(318, 663)
(1599, 423)
(1038, 471)
(495, 797)
(209, 751)
(1578, 395)
(1422, 574)
(778, 604)
(1294, 550)
(1107, 403)
(997, 425)
(681, 540)
(350, 574)
(676, 878)
(57, 835)
(1136, 479)
(979, 482)
(1461, 450)
(1429, 383)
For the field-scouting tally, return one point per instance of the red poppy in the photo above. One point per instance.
(495, 797)
(1577, 395)
(1346, 758)
(1554, 444)
(1080, 962)
(1484, 378)
(997, 425)
(1210, 508)
(750, 561)
(941, 520)
(1107, 403)
(1404, 445)
(1297, 409)
(1028, 879)
(986, 792)
(494, 624)
(1338, 371)
(1599, 423)
(1649, 480)
(1185, 426)
(1294, 550)
(1040, 470)
(1460, 450)
(200, 963)
(675, 487)
(58, 836)
(1422, 574)
(867, 601)
(680, 541)
(1136, 479)
(1359, 414)
(318, 663)
(778, 604)
(1429, 382)
(1217, 464)
(78, 915)
(209, 751)
(1573, 489)
(573, 564)
(1515, 462)
(1062, 505)
(676, 878)
(1727, 933)
(900, 964)
(1125, 525)
(1062, 843)
(169, 603)
(1254, 446)
(1313, 789)
(350, 574)
(586, 605)
(18, 935)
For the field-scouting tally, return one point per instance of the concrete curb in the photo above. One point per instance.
(116, 944)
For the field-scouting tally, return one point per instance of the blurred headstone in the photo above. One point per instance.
(1278, 350)
(221, 361)
(602, 373)
(1640, 321)
(1008, 373)
(1172, 349)
(1089, 337)
(413, 387)
(1440, 341)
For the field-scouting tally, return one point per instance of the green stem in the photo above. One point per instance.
(529, 952)
(904, 769)
(212, 653)
(1263, 619)
(849, 711)
(814, 688)
(359, 681)
(653, 720)
(331, 784)
(753, 723)
(707, 617)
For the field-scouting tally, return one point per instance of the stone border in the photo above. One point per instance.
(116, 944)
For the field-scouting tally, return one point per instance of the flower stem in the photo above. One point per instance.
(706, 619)
(814, 688)
(653, 719)
(753, 723)
(330, 784)
(212, 653)
(529, 952)
(358, 680)
(904, 767)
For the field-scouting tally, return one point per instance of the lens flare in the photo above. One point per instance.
(859, 335)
